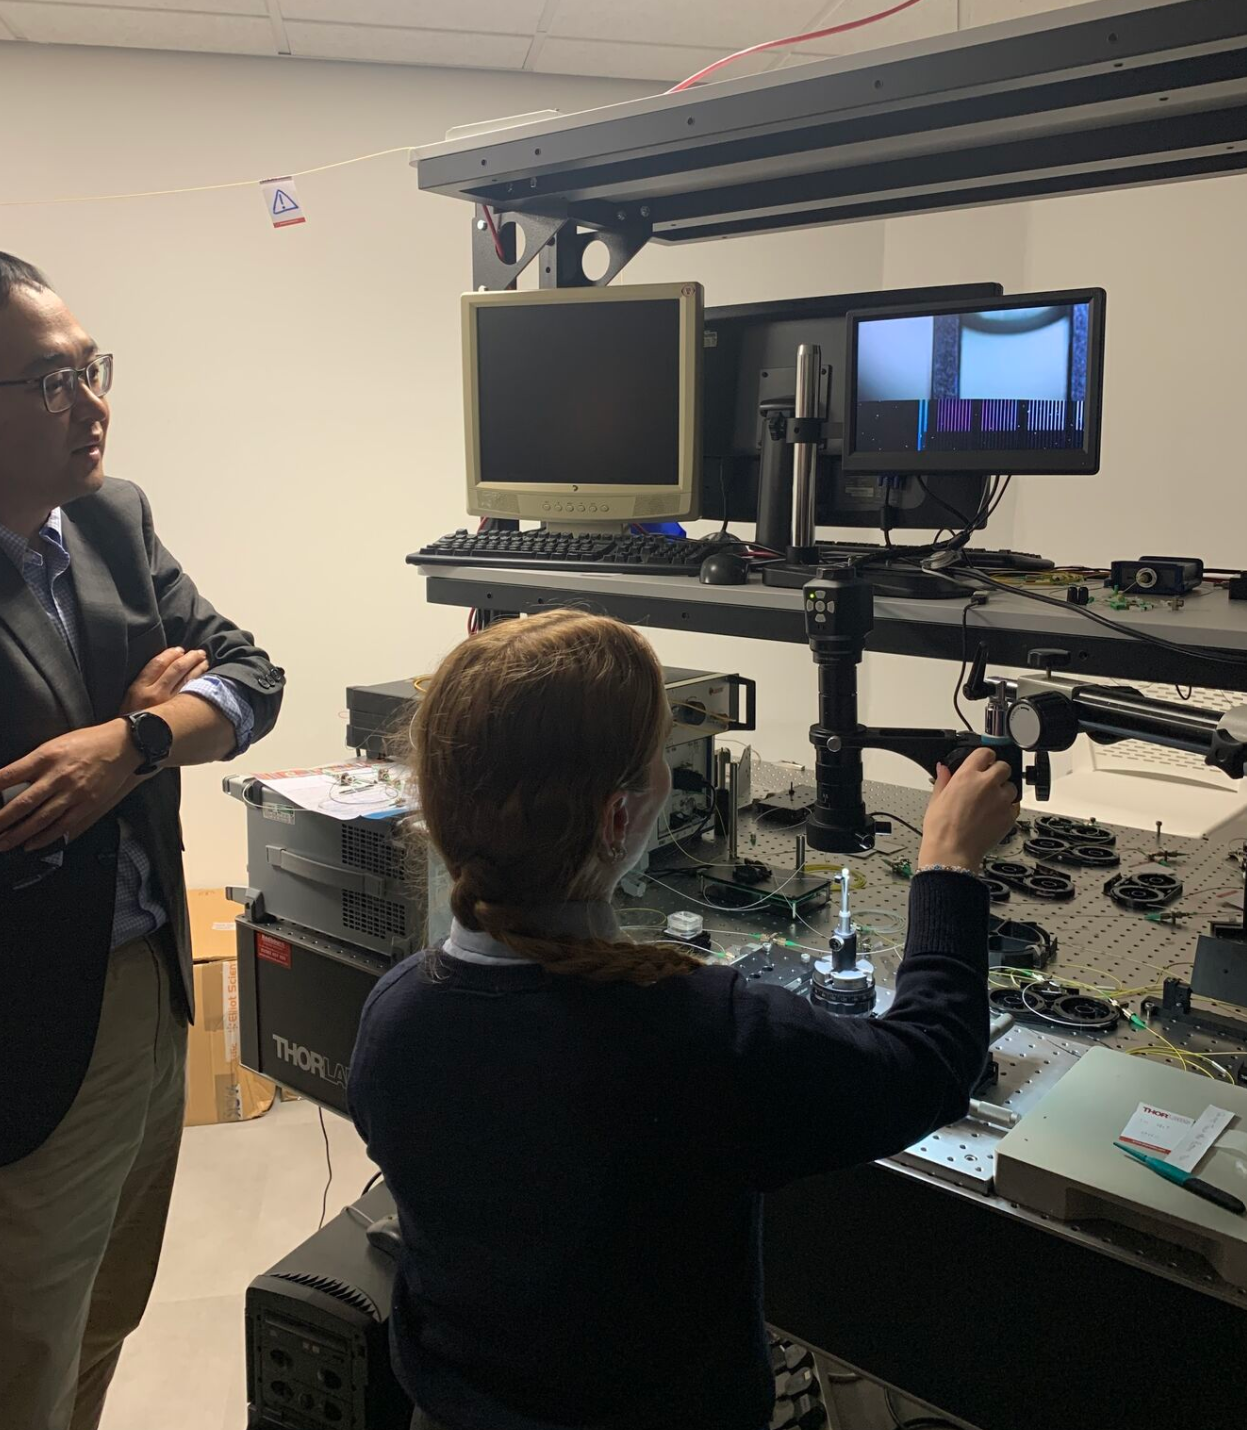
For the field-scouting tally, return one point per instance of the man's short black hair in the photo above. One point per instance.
(17, 273)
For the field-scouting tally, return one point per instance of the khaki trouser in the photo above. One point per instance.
(82, 1218)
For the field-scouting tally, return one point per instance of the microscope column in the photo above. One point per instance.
(839, 613)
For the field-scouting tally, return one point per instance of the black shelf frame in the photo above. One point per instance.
(1122, 93)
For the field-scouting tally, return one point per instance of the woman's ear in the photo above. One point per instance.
(615, 824)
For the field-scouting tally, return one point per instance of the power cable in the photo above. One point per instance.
(965, 656)
(790, 40)
(883, 814)
(324, 1201)
(201, 188)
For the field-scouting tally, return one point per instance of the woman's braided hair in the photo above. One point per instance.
(524, 734)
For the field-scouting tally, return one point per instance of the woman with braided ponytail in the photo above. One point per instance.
(577, 1129)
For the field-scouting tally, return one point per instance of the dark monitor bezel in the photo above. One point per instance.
(1015, 462)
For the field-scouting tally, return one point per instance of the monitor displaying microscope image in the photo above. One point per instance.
(1010, 386)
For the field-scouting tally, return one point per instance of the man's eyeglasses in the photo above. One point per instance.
(61, 387)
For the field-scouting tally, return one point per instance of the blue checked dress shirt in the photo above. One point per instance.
(45, 569)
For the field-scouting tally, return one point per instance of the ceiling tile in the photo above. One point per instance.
(140, 29)
(507, 17)
(718, 24)
(386, 45)
(208, 7)
(616, 61)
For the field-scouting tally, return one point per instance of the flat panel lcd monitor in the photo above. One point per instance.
(1012, 386)
(583, 406)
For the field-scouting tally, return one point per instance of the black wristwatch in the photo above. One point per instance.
(152, 738)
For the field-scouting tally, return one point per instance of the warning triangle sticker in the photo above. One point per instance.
(281, 199)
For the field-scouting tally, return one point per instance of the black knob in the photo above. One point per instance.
(1039, 776)
(1048, 658)
(1046, 721)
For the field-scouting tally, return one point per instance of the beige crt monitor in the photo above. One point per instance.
(583, 405)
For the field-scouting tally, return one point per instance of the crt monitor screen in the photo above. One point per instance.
(1012, 386)
(580, 393)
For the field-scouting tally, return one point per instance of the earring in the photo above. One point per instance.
(617, 851)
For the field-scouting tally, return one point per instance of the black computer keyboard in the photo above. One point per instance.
(651, 554)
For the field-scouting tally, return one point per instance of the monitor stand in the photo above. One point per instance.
(903, 581)
(586, 528)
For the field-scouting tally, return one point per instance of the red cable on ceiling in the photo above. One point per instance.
(790, 40)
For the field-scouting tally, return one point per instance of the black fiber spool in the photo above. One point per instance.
(1041, 882)
(1072, 831)
(1007, 1000)
(1047, 1003)
(1005, 869)
(1144, 892)
(1068, 841)
(1101, 856)
(1047, 885)
(1089, 1014)
(1166, 883)
(1137, 896)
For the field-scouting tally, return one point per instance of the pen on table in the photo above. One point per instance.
(1190, 1183)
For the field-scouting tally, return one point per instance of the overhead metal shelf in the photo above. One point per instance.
(1126, 92)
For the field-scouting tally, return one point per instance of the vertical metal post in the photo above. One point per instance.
(733, 814)
(805, 454)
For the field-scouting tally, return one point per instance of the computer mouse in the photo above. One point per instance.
(385, 1236)
(724, 568)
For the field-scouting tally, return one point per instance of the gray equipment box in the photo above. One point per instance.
(1060, 1159)
(377, 714)
(351, 880)
(703, 704)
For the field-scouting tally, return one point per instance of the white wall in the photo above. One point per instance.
(290, 399)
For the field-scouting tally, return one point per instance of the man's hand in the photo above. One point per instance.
(162, 677)
(74, 780)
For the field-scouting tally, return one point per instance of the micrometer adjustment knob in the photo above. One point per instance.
(1039, 776)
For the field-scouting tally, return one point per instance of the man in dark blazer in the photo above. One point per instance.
(114, 671)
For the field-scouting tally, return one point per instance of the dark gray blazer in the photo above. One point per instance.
(135, 600)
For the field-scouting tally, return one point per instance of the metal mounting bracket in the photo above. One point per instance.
(559, 242)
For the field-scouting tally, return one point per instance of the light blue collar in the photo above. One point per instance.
(575, 920)
(16, 546)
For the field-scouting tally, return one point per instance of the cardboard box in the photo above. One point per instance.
(218, 1089)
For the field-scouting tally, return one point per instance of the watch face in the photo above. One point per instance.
(155, 739)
